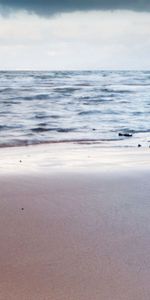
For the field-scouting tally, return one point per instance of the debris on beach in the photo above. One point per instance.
(125, 134)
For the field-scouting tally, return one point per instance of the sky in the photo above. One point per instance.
(74, 35)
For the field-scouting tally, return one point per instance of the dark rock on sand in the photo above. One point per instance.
(125, 134)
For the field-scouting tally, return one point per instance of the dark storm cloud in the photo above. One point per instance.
(45, 7)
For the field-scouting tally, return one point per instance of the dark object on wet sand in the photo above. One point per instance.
(139, 145)
(22, 208)
(20, 161)
(125, 134)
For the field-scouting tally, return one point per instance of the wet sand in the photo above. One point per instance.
(74, 233)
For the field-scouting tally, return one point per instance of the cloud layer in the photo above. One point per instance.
(46, 7)
(80, 40)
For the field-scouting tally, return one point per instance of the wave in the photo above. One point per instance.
(114, 91)
(7, 90)
(44, 116)
(55, 129)
(26, 142)
(89, 112)
(9, 127)
(35, 97)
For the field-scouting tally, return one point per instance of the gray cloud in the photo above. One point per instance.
(46, 7)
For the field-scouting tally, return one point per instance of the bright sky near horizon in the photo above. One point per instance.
(70, 35)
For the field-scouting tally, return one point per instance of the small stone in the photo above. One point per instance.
(139, 145)
(22, 208)
(20, 161)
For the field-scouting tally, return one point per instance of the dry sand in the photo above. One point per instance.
(71, 229)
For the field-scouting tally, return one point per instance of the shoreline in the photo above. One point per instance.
(46, 158)
(74, 223)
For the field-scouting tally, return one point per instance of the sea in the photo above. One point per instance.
(108, 108)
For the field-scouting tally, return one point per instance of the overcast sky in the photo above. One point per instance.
(92, 34)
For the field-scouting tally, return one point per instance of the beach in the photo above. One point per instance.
(74, 223)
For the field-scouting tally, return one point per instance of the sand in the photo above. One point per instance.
(74, 223)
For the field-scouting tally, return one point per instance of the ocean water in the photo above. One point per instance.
(80, 106)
